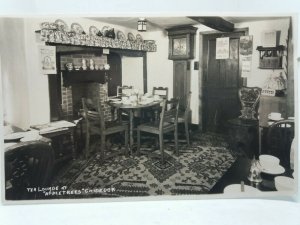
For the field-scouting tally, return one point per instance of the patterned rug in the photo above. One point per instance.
(194, 171)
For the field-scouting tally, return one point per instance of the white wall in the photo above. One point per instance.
(13, 70)
(21, 43)
(160, 68)
(132, 72)
(258, 76)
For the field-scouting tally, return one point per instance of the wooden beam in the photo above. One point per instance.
(217, 23)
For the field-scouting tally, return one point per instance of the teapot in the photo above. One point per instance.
(255, 170)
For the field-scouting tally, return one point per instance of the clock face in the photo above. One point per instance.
(179, 46)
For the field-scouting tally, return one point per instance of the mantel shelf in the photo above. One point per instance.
(56, 37)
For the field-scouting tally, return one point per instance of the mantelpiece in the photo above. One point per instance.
(54, 37)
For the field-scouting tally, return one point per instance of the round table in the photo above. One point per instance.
(131, 108)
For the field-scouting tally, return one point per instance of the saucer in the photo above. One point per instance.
(274, 170)
(236, 188)
(14, 136)
(275, 119)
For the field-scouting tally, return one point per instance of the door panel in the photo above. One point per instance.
(221, 83)
(115, 73)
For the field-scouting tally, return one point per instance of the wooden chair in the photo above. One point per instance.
(28, 165)
(95, 123)
(280, 137)
(184, 116)
(161, 91)
(162, 126)
(249, 98)
(124, 90)
(154, 112)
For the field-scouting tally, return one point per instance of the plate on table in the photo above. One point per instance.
(93, 31)
(130, 36)
(62, 26)
(236, 188)
(121, 36)
(77, 28)
(273, 170)
(14, 136)
(115, 100)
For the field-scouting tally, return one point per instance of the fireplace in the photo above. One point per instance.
(76, 85)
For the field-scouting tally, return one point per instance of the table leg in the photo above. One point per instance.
(73, 144)
(131, 129)
(259, 139)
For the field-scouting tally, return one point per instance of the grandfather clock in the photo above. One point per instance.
(181, 51)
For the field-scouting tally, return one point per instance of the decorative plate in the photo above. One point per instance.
(139, 38)
(104, 30)
(77, 28)
(131, 37)
(44, 25)
(121, 35)
(93, 30)
(62, 26)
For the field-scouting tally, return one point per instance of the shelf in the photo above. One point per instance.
(279, 48)
(84, 76)
(270, 57)
(271, 68)
(56, 37)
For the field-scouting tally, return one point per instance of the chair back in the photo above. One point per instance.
(169, 112)
(280, 137)
(249, 98)
(124, 90)
(92, 116)
(28, 165)
(161, 91)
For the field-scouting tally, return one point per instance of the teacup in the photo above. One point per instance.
(268, 161)
(275, 115)
(69, 66)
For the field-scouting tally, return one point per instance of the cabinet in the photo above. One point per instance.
(270, 57)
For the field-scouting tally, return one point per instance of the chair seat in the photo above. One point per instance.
(153, 127)
(111, 127)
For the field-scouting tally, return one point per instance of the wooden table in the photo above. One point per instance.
(131, 108)
(239, 171)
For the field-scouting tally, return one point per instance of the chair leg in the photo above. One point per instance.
(87, 144)
(138, 142)
(126, 142)
(187, 134)
(176, 140)
(102, 150)
(161, 145)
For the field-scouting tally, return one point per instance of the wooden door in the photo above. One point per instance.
(181, 85)
(115, 73)
(221, 81)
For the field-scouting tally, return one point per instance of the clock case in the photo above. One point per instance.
(187, 32)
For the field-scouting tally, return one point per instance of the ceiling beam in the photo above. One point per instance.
(217, 23)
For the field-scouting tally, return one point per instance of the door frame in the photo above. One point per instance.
(201, 73)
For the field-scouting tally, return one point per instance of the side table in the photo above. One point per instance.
(243, 134)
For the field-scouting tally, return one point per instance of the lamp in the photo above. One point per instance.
(142, 24)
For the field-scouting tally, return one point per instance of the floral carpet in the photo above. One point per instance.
(194, 171)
